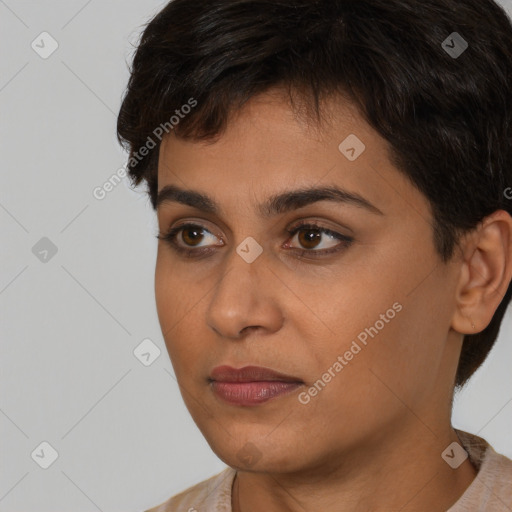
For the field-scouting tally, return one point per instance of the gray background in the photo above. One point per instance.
(70, 323)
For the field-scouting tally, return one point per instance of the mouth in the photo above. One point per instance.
(249, 374)
(251, 385)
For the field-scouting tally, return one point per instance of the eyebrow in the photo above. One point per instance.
(275, 205)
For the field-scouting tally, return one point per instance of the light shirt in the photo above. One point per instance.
(490, 491)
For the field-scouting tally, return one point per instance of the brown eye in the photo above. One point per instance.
(190, 239)
(192, 235)
(309, 238)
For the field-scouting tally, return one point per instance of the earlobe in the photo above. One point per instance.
(485, 273)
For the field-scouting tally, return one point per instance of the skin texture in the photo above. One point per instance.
(372, 438)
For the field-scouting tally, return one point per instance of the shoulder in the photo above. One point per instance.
(497, 479)
(213, 494)
(492, 487)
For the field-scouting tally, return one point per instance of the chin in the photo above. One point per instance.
(257, 453)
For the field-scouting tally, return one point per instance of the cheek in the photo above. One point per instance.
(389, 338)
(175, 297)
(181, 306)
(401, 346)
(377, 380)
(166, 299)
(176, 304)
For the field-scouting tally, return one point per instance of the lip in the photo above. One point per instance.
(251, 385)
(250, 374)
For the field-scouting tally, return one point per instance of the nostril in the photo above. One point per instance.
(248, 328)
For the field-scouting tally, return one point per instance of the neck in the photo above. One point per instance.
(406, 474)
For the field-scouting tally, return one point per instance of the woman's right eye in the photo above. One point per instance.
(191, 237)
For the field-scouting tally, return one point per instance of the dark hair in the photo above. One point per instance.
(447, 117)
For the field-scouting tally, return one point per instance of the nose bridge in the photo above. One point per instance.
(242, 297)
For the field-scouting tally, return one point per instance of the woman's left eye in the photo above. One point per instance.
(309, 236)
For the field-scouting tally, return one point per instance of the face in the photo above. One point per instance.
(341, 290)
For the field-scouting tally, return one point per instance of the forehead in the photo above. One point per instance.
(267, 146)
(267, 131)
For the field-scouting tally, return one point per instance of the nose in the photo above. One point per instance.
(244, 299)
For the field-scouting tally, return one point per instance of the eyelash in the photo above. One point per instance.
(345, 241)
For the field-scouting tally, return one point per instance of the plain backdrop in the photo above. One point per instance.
(76, 283)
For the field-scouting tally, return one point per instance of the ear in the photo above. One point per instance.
(485, 273)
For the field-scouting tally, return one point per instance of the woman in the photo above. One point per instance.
(335, 247)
